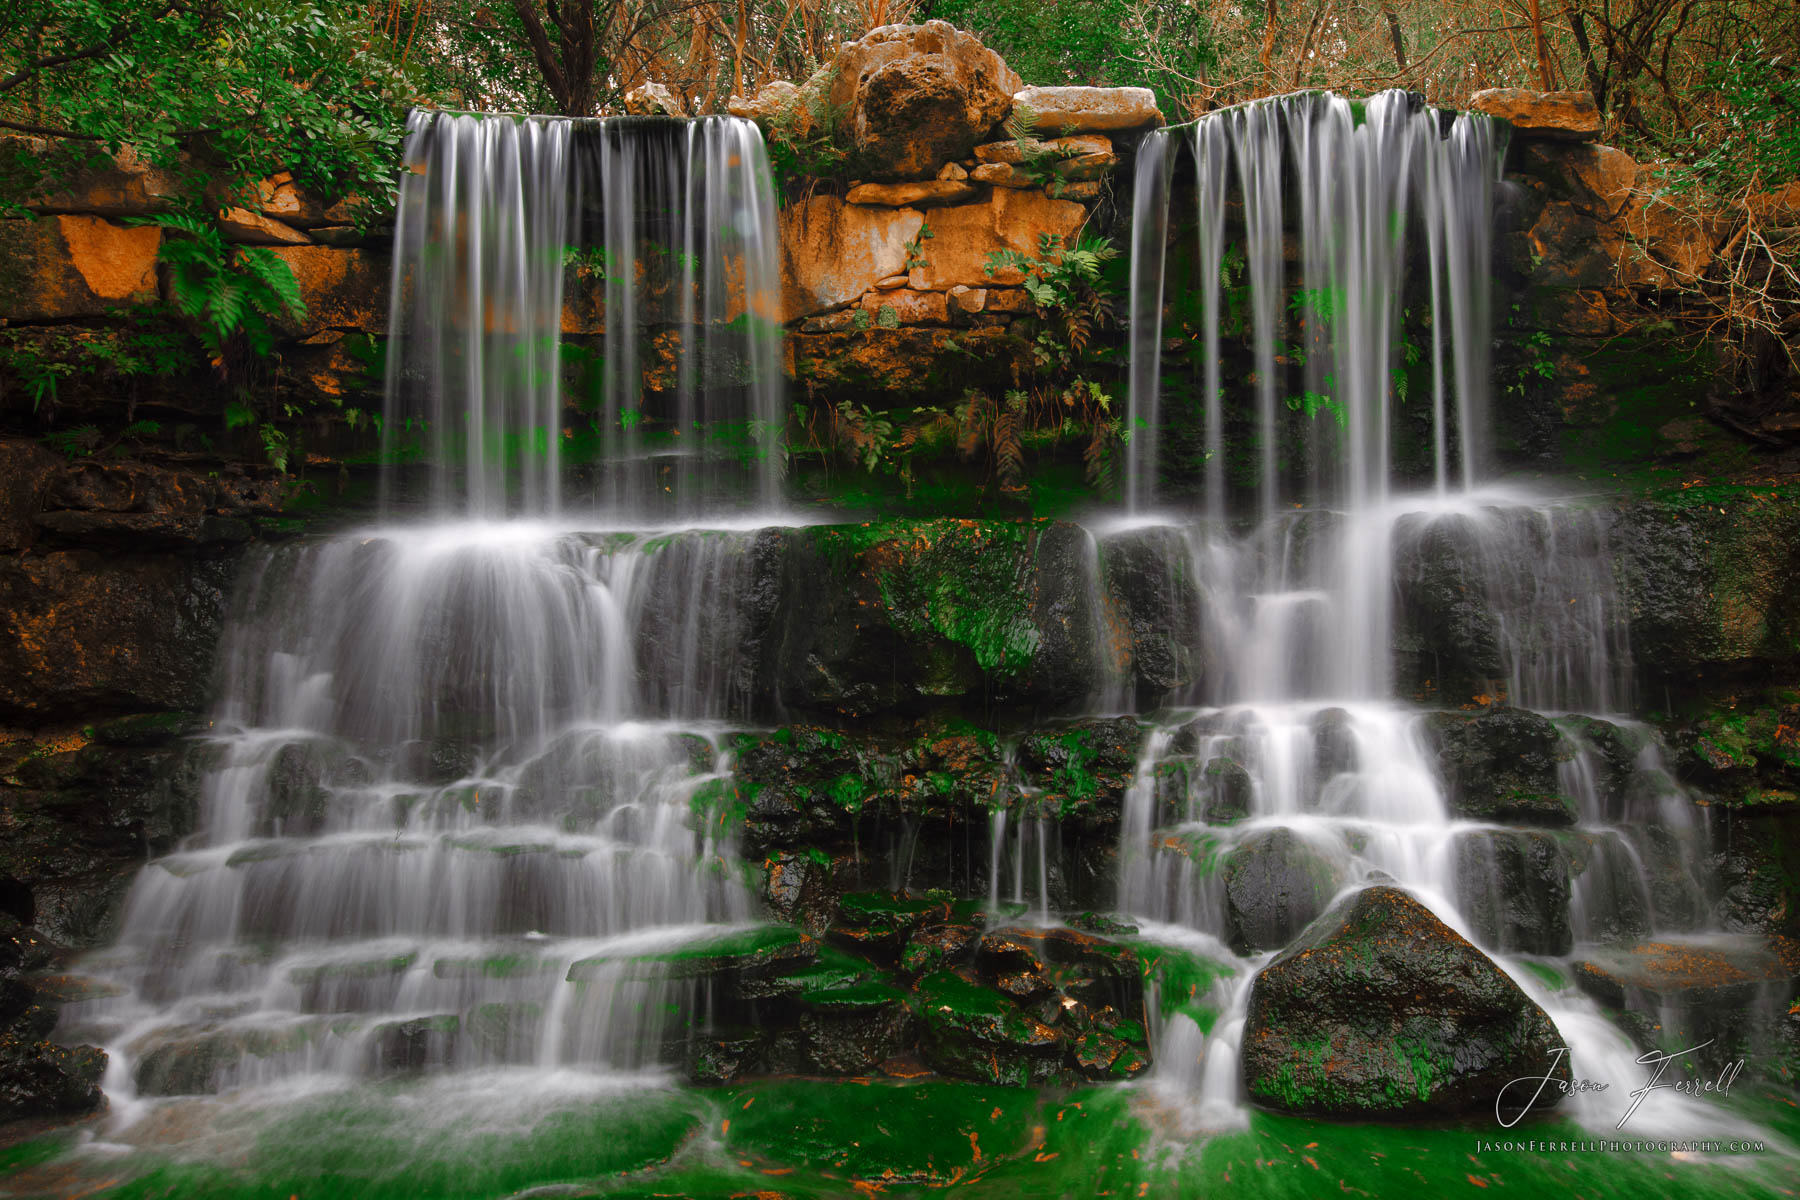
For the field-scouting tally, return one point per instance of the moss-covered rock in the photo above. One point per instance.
(1500, 764)
(1083, 769)
(1380, 1010)
(38, 1078)
(908, 615)
(1276, 883)
(1151, 593)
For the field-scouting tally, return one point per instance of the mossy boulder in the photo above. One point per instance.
(905, 616)
(973, 1032)
(1276, 883)
(1500, 764)
(1085, 768)
(1381, 1011)
(40, 1079)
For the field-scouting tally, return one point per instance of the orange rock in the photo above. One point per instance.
(833, 252)
(924, 194)
(343, 289)
(124, 186)
(1090, 109)
(70, 266)
(280, 197)
(963, 237)
(246, 228)
(1570, 116)
(912, 308)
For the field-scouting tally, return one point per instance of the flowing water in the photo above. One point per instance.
(1301, 734)
(449, 822)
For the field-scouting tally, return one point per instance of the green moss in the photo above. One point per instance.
(1184, 981)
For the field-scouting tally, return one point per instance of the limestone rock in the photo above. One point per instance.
(1571, 116)
(953, 172)
(890, 282)
(910, 307)
(963, 237)
(246, 228)
(833, 252)
(280, 197)
(1090, 109)
(1000, 175)
(968, 300)
(123, 186)
(913, 97)
(342, 289)
(1012, 152)
(653, 100)
(74, 266)
(1087, 166)
(1382, 1011)
(773, 102)
(923, 194)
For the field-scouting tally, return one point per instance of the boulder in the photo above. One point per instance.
(1085, 768)
(1570, 116)
(1501, 765)
(653, 100)
(1090, 109)
(774, 101)
(1382, 1011)
(832, 252)
(40, 1079)
(1276, 883)
(909, 98)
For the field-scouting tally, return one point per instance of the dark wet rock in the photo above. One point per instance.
(1380, 1010)
(1727, 997)
(1708, 578)
(910, 615)
(77, 822)
(934, 947)
(84, 633)
(1445, 641)
(1500, 764)
(1085, 768)
(1615, 901)
(797, 889)
(140, 532)
(1174, 780)
(1613, 754)
(1514, 888)
(199, 1064)
(297, 796)
(1276, 883)
(1228, 790)
(974, 1033)
(1334, 743)
(402, 1047)
(1151, 591)
(39, 1079)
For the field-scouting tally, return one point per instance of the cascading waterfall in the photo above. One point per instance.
(500, 375)
(1300, 741)
(451, 818)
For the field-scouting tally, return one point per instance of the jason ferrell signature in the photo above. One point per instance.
(1657, 1061)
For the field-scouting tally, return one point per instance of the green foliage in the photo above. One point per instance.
(227, 291)
(915, 249)
(213, 94)
(1756, 137)
(803, 143)
(1163, 45)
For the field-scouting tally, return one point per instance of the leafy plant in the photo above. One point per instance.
(227, 291)
(915, 248)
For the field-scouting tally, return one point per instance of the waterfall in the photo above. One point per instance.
(503, 370)
(457, 814)
(1369, 597)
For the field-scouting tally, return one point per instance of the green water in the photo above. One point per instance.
(808, 1140)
